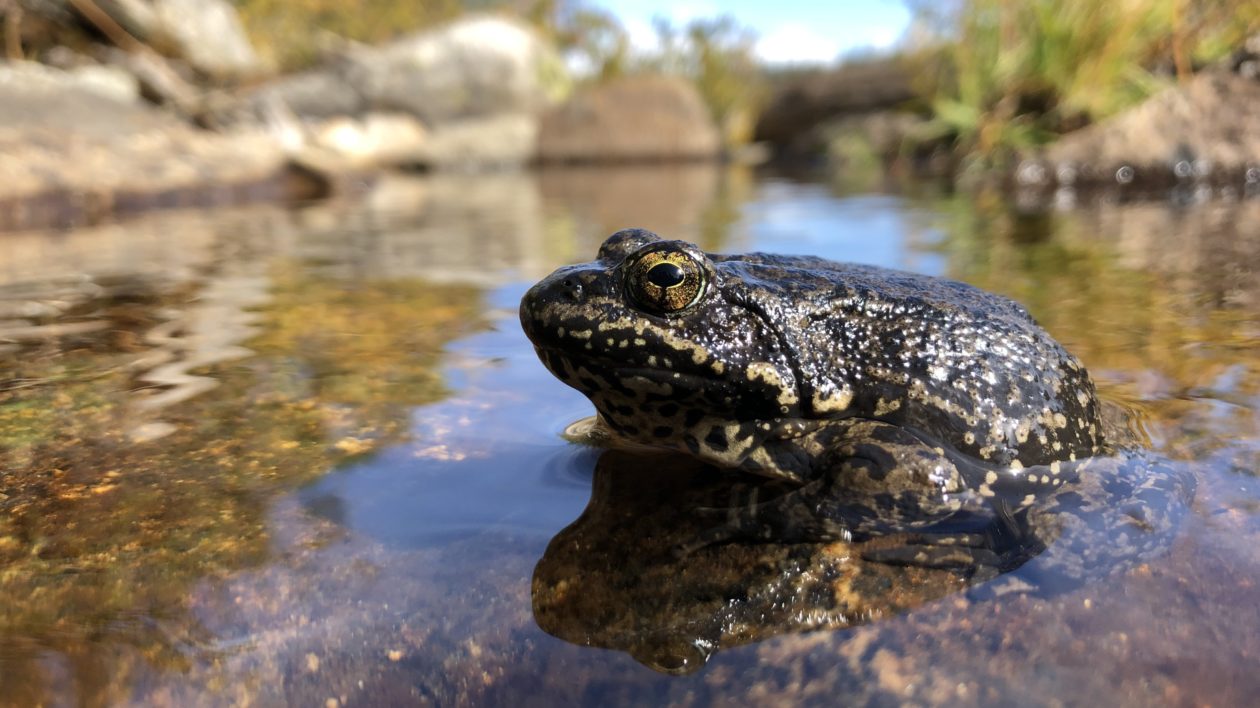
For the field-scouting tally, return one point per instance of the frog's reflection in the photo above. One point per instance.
(614, 578)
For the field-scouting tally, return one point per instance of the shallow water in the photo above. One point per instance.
(304, 456)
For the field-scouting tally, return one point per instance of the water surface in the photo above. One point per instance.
(305, 456)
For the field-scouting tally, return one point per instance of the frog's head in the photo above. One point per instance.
(672, 347)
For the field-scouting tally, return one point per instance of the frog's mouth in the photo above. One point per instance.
(617, 384)
(568, 368)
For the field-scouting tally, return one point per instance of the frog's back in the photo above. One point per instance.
(967, 366)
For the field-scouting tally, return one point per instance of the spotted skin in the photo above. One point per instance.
(897, 402)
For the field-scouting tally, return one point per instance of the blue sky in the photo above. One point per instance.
(788, 30)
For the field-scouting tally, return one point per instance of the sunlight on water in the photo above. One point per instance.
(287, 456)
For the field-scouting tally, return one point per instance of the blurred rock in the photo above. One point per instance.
(76, 146)
(635, 118)
(476, 85)
(321, 93)
(206, 33)
(374, 139)
(1205, 129)
(478, 66)
(795, 114)
(22, 79)
(1245, 61)
(96, 102)
(504, 140)
(159, 80)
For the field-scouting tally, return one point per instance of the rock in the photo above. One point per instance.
(30, 78)
(630, 119)
(505, 140)
(473, 67)
(206, 33)
(798, 106)
(159, 81)
(76, 147)
(375, 139)
(96, 102)
(1245, 61)
(108, 81)
(1203, 129)
(476, 86)
(318, 94)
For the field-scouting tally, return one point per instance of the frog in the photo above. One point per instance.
(888, 402)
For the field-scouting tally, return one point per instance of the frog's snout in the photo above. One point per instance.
(565, 287)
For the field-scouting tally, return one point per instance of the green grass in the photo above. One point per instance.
(1015, 75)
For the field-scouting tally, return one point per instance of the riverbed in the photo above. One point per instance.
(304, 455)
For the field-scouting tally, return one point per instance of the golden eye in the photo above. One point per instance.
(665, 279)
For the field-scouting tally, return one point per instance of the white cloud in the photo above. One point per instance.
(796, 43)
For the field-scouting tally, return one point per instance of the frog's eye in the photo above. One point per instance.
(665, 279)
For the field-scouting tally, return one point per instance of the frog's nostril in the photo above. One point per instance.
(572, 288)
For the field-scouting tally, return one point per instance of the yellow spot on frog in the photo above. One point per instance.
(1021, 431)
(764, 371)
(884, 407)
(833, 401)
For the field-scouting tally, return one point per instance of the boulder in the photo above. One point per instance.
(375, 139)
(206, 33)
(317, 94)
(77, 146)
(1203, 129)
(479, 66)
(476, 85)
(504, 140)
(90, 100)
(635, 118)
(793, 117)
